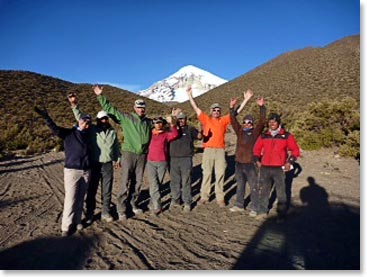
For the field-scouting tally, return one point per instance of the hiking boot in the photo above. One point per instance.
(203, 201)
(157, 211)
(261, 216)
(174, 204)
(79, 227)
(187, 208)
(253, 213)
(122, 217)
(106, 218)
(221, 203)
(65, 233)
(137, 211)
(236, 209)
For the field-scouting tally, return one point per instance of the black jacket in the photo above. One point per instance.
(77, 154)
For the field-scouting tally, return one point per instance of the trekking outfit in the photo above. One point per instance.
(181, 152)
(105, 150)
(214, 154)
(157, 164)
(76, 172)
(137, 132)
(245, 169)
(272, 151)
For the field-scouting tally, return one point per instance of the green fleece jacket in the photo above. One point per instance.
(104, 144)
(136, 130)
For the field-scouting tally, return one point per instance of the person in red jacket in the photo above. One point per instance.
(158, 158)
(274, 152)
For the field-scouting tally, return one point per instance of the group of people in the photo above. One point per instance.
(92, 152)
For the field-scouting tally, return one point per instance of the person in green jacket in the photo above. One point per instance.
(136, 128)
(105, 156)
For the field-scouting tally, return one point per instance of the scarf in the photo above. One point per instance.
(275, 132)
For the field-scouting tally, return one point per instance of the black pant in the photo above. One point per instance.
(246, 173)
(100, 172)
(268, 176)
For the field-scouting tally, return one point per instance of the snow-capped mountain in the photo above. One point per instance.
(173, 88)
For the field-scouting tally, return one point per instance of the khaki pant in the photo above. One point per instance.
(213, 158)
(76, 185)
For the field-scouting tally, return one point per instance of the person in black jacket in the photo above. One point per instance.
(76, 169)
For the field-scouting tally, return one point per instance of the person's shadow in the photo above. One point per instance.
(315, 236)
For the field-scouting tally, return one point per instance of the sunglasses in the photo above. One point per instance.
(216, 110)
(104, 118)
(247, 122)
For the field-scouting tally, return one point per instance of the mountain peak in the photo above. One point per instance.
(173, 88)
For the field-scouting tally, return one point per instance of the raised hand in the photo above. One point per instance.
(72, 99)
(176, 111)
(260, 101)
(42, 113)
(232, 102)
(248, 94)
(97, 89)
(189, 91)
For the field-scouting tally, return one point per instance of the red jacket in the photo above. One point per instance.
(158, 147)
(276, 151)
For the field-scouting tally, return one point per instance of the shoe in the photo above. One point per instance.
(261, 216)
(203, 201)
(79, 227)
(64, 233)
(174, 204)
(89, 219)
(221, 203)
(137, 211)
(253, 214)
(236, 209)
(157, 211)
(187, 208)
(122, 217)
(106, 217)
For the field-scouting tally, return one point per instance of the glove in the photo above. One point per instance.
(42, 113)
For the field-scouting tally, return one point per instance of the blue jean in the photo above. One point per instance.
(246, 173)
(180, 172)
(155, 174)
(268, 176)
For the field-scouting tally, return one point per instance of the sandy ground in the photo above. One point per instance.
(322, 230)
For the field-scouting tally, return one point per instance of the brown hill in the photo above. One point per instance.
(20, 91)
(295, 79)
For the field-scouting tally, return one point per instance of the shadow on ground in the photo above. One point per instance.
(316, 236)
(50, 253)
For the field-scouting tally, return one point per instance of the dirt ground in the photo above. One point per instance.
(322, 230)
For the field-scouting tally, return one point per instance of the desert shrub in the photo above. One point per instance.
(328, 124)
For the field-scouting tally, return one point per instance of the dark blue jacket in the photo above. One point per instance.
(77, 153)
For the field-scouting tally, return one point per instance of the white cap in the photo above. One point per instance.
(101, 114)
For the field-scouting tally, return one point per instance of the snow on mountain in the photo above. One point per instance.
(173, 88)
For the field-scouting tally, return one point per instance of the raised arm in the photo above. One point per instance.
(73, 100)
(246, 97)
(192, 101)
(56, 130)
(232, 112)
(106, 105)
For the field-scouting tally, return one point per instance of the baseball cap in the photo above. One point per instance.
(157, 120)
(248, 117)
(215, 105)
(102, 114)
(86, 117)
(181, 115)
(140, 103)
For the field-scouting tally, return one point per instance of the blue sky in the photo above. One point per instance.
(134, 43)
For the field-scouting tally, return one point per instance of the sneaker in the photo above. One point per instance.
(137, 211)
(221, 203)
(79, 227)
(261, 216)
(253, 214)
(203, 201)
(187, 208)
(122, 217)
(236, 209)
(64, 233)
(106, 217)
